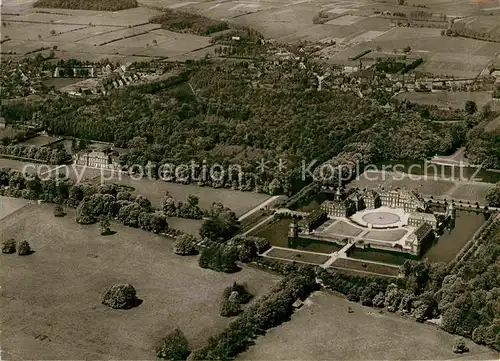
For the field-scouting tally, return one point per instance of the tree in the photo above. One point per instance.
(139, 143)
(9, 246)
(401, 2)
(105, 224)
(470, 107)
(24, 249)
(168, 206)
(407, 49)
(85, 213)
(121, 296)
(230, 307)
(220, 258)
(493, 196)
(185, 245)
(496, 92)
(174, 347)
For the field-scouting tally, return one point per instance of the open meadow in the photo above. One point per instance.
(50, 300)
(10, 205)
(447, 99)
(323, 329)
(240, 202)
(27, 167)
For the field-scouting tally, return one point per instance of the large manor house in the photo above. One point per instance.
(346, 204)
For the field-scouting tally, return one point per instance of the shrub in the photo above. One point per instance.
(9, 246)
(241, 290)
(174, 347)
(59, 211)
(459, 346)
(120, 297)
(230, 306)
(184, 245)
(24, 249)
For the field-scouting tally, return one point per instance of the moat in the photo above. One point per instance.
(443, 249)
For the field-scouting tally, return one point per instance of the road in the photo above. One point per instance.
(258, 207)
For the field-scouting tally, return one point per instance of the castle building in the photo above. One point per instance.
(420, 236)
(371, 199)
(416, 219)
(339, 208)
(312, 220)
(345, 205)
(398, 198)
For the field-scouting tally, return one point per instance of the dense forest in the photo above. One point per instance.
(99, 5)
(184, 22)
(483, 147)
(244, 113)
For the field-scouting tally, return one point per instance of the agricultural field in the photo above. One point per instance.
(122, 35)
(65, 319)
(447, 99)
(335, 334)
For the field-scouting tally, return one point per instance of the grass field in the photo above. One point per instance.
(25, 166)
(343, 229)
(239, 202)
(386, 235)
(298, 256)
(447, 99)
(366, 267)
(40, 140)
(472, 192)
(323, 329)
(428, 185)
(10, 205)
(50, 301)
(189, 226)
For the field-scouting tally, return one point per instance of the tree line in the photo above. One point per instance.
(98, 5)
(41, 154)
